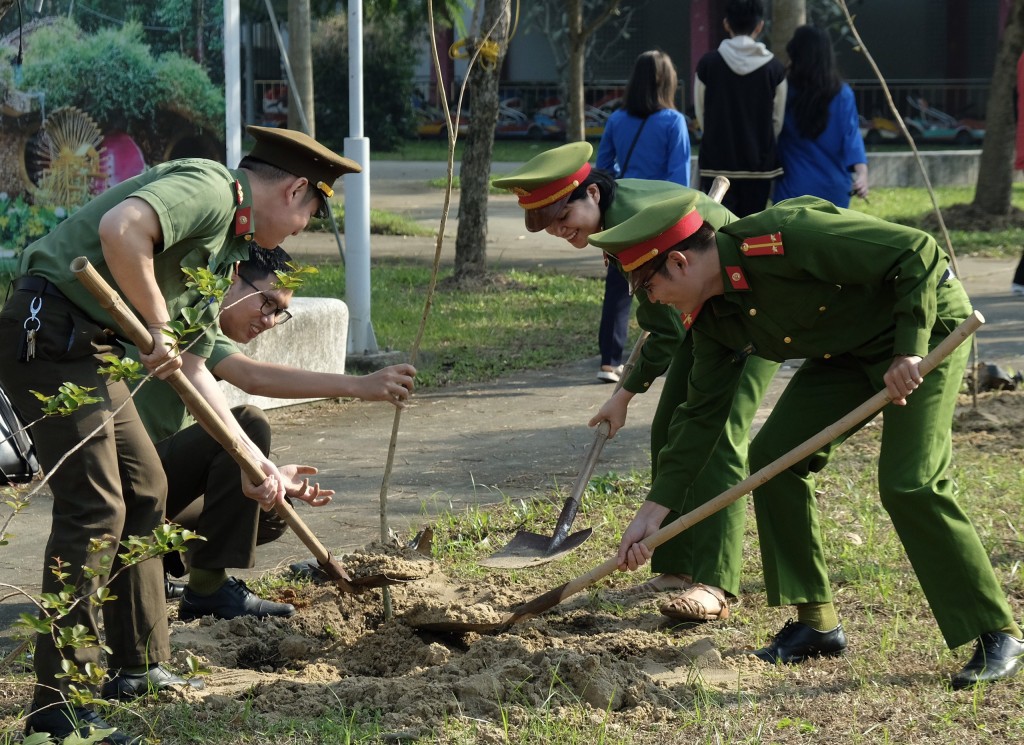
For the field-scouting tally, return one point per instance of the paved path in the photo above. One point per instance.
(477, 444)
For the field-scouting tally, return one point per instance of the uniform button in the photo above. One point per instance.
(647, 385)
(787, 340)
(822, 309)
(828, 356)
(753, 311)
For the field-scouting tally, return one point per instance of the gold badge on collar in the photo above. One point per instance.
(239, 192)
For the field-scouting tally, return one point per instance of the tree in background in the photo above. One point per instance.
(474, 175)
(388, 60)
(995, 170)
(570, 26)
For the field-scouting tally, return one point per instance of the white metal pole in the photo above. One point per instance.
(232, 85)
(361, 339)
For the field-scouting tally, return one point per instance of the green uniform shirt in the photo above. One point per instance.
(196, 201)
(662, 321)
(838, 283)
(160, 408)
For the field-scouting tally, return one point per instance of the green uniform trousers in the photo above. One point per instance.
(109, 489)
(711, 551)
(948, 557)
(204, 494)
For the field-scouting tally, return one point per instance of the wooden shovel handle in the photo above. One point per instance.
(139, 335)
(812, 445)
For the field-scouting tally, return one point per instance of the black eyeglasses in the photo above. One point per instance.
(269, 307)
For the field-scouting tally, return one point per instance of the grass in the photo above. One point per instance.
(382, 222)
(525, 322)
(505, 151)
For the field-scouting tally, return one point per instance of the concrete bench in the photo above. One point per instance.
(316, 338)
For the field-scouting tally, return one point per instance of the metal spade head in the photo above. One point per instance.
(533, 549)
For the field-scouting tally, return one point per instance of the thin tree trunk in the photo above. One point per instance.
(995, 169)
(787, 16)
(300, 56)
(574, 127)
(474, 175)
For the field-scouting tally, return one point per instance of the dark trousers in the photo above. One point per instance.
(614, 330)
(204, 494)
(745, 195)
(1018, 275)
(110, 488)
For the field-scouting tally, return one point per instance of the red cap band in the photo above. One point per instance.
(553, 191)
(637, 255)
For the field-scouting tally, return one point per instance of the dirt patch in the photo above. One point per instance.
(969, 218)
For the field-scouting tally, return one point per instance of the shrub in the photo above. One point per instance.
(21, 222)
(387, 80)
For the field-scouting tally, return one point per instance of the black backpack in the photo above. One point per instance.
(18, 462)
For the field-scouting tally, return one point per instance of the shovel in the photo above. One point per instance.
(553, 597)
(528, 549)
(111, 301)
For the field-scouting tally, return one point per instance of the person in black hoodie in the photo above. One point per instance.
(739, 96)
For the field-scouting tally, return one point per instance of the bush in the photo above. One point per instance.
(113, 76)
(388, 56)
(21, 222)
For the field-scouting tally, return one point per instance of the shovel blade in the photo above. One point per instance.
(533, 549)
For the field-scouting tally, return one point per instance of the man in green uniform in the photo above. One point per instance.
(189, 213)
(203, 491)
(562, 195)
(861, 301)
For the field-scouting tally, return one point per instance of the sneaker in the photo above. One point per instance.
(609, 374)
(797, 642)
(232, 600)
(61, 722)
(1017, 290)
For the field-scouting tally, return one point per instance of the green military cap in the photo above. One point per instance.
(544, 183)
(651, 232)
(301, 155)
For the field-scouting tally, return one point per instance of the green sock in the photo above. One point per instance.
(819, 616)
(206, 581)
(1013, 630)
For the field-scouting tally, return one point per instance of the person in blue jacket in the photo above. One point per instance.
(646, 139)
(821, 147)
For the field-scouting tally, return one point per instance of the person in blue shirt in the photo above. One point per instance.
(820, 145)
(646, 139)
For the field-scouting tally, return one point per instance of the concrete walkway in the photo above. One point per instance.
(467, 445)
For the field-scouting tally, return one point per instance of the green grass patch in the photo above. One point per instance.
(441, 183)
(505, 151)
(523, 322)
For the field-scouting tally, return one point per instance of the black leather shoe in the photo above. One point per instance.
(232, 600)
(125, 686)
(173, 589)
(797, 642)
(997, 655)
(62, 721)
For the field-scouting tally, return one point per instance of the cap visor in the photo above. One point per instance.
(540, 218)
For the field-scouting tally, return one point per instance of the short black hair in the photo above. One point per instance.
(606, 186)
(263, 262)
(744, 15)
(269, 172)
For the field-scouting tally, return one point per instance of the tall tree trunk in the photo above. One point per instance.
(574, 127)
(300, 57)
(995, 170)
(787, 16)
(474, 175)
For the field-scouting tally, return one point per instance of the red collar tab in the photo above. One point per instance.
(763, 245)
(690, 318)
(636, 256)
(553, 191)
(243, 222)
(737, 278)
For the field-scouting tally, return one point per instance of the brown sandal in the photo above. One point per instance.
(685, 607)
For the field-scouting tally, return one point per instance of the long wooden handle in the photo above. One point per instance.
(808, 447)
(719, 186)
(139, 335)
